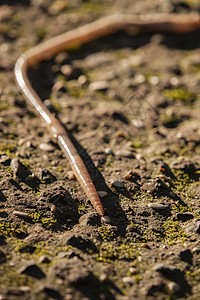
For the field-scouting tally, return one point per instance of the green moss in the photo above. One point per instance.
(7, 148)
(170, 121)
(75, 90)
(48, 222)
(180, 94)
(105, 233)
(193, 3)
(11, 278)
(6, 228)
(138, 143)
(91, 7)
(9, 229)
(109, 252)
(41, 32)
(173, 232)
(4, 106)
(106, 254)
(35, 217)
(40, 218)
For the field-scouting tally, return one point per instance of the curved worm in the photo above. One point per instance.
(81, 35)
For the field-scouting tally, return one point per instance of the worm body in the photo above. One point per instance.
(81, 35)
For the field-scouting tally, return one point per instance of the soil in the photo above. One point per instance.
(131, 105)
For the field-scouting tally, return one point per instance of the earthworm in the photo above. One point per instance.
(84, 34)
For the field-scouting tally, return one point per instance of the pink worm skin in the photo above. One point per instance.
(81, 35)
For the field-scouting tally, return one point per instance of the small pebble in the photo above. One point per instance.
(61, 57)
(132, 270)
(103, 277)
(32, 270)
(106, 219)
(57, 7)
(53, 209)
(128, 176)
(138, 123)
(139, 78)
(58, 86)
(5, 160)
(21, 141)
(47, 176)
(134, 176)
(124, 153)
(154, 80)
(173, 287)
(108, 151)
(174, 81)
(46, 147)
(102, 194)
(120, 134)
(71, 175)
(117, 184)
(98, 86)
(44, 259)
(66, 70)
(20, 214)
(157, 206)
(82, 79)
(145, 245)
(49, 105)
(128, 279)
(19, 169)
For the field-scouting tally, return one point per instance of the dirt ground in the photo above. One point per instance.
(131, 105)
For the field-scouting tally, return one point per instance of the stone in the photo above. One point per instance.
(71, 175)
(98, 59)
(153, 287)
(132, 176)
(108, 151)
(99, 86)
(68, 254)
(50, 292)
(5, 160)
(57, 7)
(106, 219)
(47, 176)
(46, 147)
(81, 242)
(66, 70)
(92, 219)
(117, 184)
(194, 227)
(173, 287)
(31, 269)
(102, 194)
(19, 169)
(124, 153)
(185, 165)
(173, 274)
(44, 259)
(128, 279)
(157, 206)
(155, 186)
(20, 214)
(73, 271)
